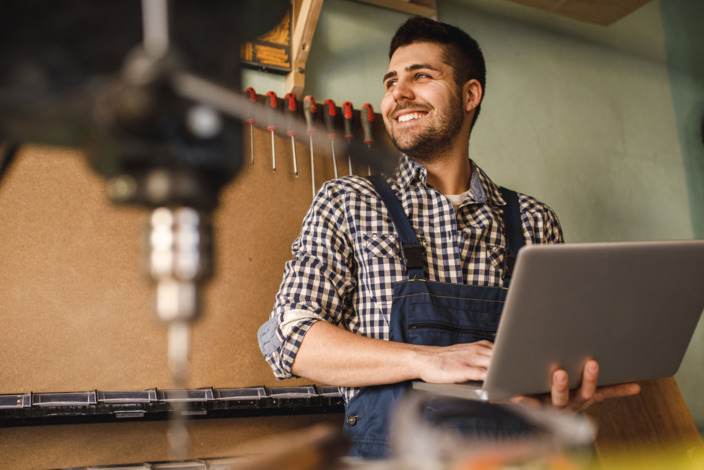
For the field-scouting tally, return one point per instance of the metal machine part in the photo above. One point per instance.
(100, 77)
(179, 260)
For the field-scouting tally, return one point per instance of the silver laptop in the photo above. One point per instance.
(632, 306)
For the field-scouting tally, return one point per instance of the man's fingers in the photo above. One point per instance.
(526, 401)
(590, 378)
(617, 391)
(560, 391)
(457, 363)
(588, 391)
(483, 346)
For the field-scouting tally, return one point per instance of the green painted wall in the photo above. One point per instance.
(597, 122)
(682, 21)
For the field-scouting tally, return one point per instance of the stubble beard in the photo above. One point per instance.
(430, 143)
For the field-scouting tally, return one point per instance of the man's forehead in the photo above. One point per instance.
(415, 56)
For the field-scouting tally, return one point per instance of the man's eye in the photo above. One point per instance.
(390, 83)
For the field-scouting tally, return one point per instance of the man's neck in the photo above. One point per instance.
(449, 175)
(449, 171)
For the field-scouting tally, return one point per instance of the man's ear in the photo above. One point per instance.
(472, 93)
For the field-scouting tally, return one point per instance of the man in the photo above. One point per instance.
(361, 268)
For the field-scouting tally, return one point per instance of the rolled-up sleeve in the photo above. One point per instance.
(317, 283)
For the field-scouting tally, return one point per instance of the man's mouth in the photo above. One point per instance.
(410, 117)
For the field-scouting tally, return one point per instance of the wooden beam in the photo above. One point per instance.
(305, 23)
(602, 12)
(425, 8)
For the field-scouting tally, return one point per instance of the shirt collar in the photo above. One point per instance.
(482, 188)
(407, 170)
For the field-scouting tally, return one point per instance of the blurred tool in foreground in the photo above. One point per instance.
(433, 431)
(101, 76)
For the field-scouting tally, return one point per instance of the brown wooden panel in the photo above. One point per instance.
(653, 424)
(69, 446)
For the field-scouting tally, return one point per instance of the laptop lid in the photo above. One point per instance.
(632, 306)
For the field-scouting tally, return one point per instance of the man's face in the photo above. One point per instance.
(422, 107)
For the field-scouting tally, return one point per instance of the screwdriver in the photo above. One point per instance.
(250, 111)
(309, 110)
(347, 115)
(290, 110)
(330, 114)
(271, 123)
(367, 117)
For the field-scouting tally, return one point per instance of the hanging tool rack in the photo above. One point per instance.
(272, 141)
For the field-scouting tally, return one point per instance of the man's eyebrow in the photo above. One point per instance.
(420, 66)
(389, 75)
(410, 68)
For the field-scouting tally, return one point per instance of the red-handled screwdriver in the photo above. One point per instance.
(290, 110)
(309, 110)
(250, 112)
(367, 117)
(330, 113)
(347, 113)
(271, 123)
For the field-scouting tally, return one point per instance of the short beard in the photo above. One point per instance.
(430, 144)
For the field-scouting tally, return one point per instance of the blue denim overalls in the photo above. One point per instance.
(429, 313)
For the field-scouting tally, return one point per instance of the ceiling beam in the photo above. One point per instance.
(306, 20)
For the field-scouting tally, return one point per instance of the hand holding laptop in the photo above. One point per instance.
(582, 398)
(469, 362)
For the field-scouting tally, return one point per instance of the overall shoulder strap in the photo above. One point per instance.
(411, 248)
(513, 229)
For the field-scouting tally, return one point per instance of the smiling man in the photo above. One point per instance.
(374, 251)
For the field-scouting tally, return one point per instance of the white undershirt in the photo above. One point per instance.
(457, 199)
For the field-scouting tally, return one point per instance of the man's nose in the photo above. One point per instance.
(403, 90)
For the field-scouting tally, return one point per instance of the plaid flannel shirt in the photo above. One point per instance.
(348, 256)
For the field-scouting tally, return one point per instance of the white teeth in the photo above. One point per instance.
(410, 117)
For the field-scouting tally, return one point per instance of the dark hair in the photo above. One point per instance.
(462, 52)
